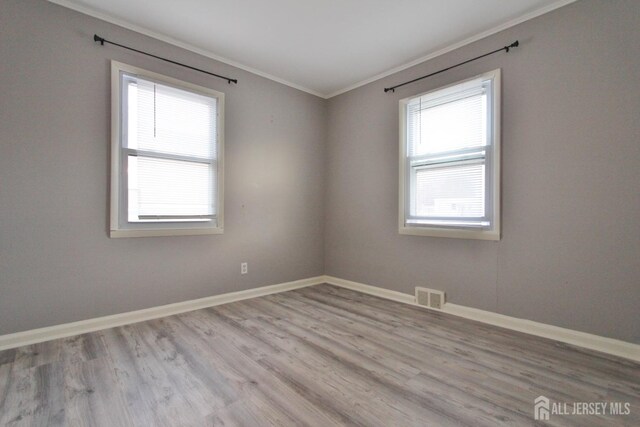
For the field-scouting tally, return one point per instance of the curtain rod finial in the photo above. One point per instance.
(97, 38)
(514, 44)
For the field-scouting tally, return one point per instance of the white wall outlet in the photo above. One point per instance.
(244, 268)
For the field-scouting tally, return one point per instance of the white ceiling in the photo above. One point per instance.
(324, 47)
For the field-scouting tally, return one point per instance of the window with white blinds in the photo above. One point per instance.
(167, 156)
(450, 160)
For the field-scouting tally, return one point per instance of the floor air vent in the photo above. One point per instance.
(430, 298)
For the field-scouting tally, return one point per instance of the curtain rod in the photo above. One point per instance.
(506, 48)
(102, 41)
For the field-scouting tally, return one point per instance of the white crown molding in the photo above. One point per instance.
(170, 40)
(538, 12)
(581, 339)
(99, 323)
(128, 25)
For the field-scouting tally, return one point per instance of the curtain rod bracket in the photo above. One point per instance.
(102, 41)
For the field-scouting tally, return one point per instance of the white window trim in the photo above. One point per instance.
(177, 230)
(456, 233)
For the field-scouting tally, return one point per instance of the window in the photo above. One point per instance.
(166, 158)
(450, 161)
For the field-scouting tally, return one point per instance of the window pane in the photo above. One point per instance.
(170, 120)
(169, 188)
(450, 191)
(452, 125)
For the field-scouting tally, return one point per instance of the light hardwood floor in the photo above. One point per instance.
(316, 356)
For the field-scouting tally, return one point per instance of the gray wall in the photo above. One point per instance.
(57, 263)
(570, 251)
(311, 185)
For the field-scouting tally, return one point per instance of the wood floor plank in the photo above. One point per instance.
(467, 330)
(34, 355)
(251, 382)
(316, 356)
(33, 397)
(471, 346)
(407, 354)
(7, 356)
(148, 388)
(363, 373)
(92, 397)
(133, 382)
(332, 385)
(190, 376)
(467, 410)
(243, 353)
(502, 386)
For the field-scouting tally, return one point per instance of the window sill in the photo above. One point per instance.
(450, 233)
(165, 232)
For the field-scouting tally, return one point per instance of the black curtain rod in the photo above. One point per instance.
(97, 38)
(506, 48)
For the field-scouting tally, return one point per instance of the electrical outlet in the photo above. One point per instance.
(244, 268)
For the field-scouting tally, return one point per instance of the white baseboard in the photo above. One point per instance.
(90, 325)
(569, 336)
(581, 339)
(371, 290)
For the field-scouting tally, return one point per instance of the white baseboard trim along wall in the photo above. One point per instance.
(581, 339)
(91, 325)
(569, 336)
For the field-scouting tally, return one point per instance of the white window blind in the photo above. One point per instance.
(448, 122)
(449, 162)
(169, 144)
(450, 191)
